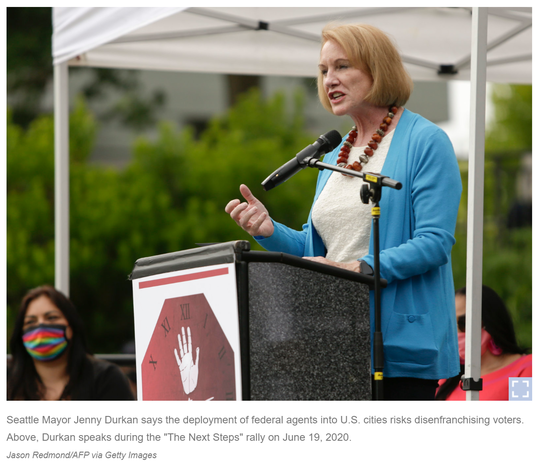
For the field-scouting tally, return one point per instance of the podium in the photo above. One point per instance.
(222, 322)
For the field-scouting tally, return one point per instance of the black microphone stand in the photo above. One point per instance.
(371, 191)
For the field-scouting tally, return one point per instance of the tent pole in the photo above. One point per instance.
(475, 209)
(61, 178)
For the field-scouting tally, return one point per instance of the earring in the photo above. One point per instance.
(495, 350)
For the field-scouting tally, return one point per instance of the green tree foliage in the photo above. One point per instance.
(511, 129)
(30, 200)
(248, 143)
(29, 62)
(170, 197)
(30, 71)
(507, 253)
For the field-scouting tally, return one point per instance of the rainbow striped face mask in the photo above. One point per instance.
(45, 342)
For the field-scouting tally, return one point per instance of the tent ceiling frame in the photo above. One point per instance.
(509, 12)
(498, 41)
(178, 35)
(515, 59)
(295, 21)
(281, 26)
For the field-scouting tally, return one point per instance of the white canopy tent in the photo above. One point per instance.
(283, 41)
(476, 44)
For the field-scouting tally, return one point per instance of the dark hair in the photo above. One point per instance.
(497, 321)
(24, 382)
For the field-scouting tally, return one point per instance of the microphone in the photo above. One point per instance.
(326, 143)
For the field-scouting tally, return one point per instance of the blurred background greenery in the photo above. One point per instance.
(172, 193)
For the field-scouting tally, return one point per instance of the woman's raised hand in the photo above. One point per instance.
(251, 216)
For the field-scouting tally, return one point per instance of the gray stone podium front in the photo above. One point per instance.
(304, 326)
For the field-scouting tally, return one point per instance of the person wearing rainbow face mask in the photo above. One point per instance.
(49, 356)
(501, 356)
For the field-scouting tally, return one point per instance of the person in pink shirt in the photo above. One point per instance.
(502, 357)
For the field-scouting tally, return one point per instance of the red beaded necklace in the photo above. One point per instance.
(343, 157)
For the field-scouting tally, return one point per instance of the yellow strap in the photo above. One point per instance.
(378, 375)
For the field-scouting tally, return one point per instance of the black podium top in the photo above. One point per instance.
(234, 251)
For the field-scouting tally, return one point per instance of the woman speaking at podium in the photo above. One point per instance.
(361, 76)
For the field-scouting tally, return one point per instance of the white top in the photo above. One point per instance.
(339, 216)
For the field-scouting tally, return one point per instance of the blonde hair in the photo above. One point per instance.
(370, 50)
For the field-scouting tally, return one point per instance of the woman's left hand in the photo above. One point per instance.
(353, 266)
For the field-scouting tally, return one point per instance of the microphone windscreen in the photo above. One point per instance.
(334, 138)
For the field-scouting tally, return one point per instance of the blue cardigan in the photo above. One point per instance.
(416, 237)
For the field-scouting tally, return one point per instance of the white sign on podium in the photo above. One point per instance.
(187, 335)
